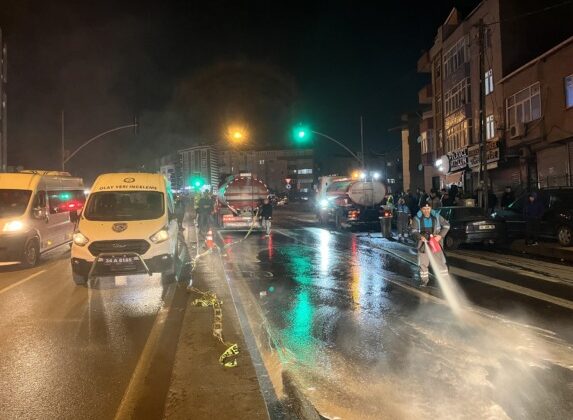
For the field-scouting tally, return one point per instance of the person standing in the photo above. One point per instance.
(204, 210)
(533, 212)
(428, 226)
(403, 221)
(266, 216)
(507, 198)
(434, 200)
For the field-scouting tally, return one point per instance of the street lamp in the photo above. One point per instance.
(75, 152)
(302, 134)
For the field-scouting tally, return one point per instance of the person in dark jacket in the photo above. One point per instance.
(266, 214)
(507, 198)
(204, 210)
(533, 211)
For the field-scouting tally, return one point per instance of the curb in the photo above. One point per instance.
(299, 404)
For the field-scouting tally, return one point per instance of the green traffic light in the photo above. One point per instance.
(301, 133)
(197, 182)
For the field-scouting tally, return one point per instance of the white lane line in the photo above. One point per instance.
(512, 287)
(137, 381)
(491, 281)
(30, 277)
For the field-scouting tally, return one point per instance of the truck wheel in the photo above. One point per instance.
(79, 279)
(31, 253)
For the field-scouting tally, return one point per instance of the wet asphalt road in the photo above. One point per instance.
(341, 311)
(71, 352)
(344, 313)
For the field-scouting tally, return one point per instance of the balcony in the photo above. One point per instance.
(424, 63)
(426, 95)
(426, 125)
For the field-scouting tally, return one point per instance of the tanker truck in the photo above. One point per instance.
(349, 203)
(237, 201)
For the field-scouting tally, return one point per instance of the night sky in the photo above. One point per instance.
(187, 69)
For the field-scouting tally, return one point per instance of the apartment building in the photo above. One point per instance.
(469, 57)
(3, 105)
(282, 170)
(199, 162)
(538, 100)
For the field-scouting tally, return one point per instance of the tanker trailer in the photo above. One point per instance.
(238, 199)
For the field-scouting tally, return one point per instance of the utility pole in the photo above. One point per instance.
(483, 175)
(63, 145)
(362, 143)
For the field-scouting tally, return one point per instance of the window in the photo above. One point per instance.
(457, 96)
(488, 81)
(13, 202)
(305, 171)
(428, 141)
(125, 205)
(63, 201)
(489, 127)
(456, 56)
(457, 136)
(524, 106)
(569, 91)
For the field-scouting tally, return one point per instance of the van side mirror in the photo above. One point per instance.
(39, 213)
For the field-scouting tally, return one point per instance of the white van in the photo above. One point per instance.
(38, 211)
(128, 226)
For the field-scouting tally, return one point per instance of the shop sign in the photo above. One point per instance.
(492, 151)
(458, 159)
(473, 156)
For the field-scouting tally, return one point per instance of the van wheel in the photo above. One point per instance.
(564, 235)
(79, 279)
(31, 254)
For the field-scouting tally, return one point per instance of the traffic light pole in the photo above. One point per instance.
(354, 155)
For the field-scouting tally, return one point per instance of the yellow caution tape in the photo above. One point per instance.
(229, 356)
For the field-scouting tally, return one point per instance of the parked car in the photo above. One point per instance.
(556, 222)
(470, 225)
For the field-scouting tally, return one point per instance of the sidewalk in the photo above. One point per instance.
(200, 387)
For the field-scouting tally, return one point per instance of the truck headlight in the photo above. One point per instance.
(80, 239)
(160, 236)
(13, 226)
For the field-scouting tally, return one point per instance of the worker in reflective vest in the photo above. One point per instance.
(429, 229)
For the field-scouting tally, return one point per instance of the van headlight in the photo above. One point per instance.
(159, 237)
(80, 239)
(13, 226)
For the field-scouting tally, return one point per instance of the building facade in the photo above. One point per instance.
(538, 99)
(282, 170)
(3, 105)
(412, 168)
(465, 64)
(199, 162)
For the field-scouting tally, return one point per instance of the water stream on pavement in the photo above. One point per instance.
(453, 294)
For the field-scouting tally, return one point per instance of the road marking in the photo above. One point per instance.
(30, 277)
(137, 381)
(492, 281)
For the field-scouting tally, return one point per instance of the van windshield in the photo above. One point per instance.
(124, 205)
(13, 202)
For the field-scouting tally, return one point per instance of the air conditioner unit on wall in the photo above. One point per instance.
(518, 130)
